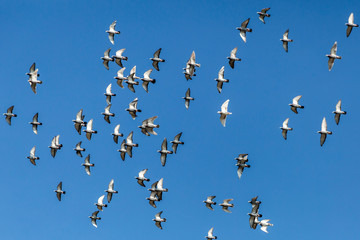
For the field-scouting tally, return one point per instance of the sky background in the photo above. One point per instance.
(308, 191)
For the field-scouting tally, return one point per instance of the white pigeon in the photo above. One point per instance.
(32, 156)
(116, 133)
(100, 203)
(120, 77)
(110, 190)
(350, 24)
(286, 40)
(220, 79)
(107, 114)
(109, 94)
(131, 82)
(78, 149)
(285, 128)
(158, 220)
(130, 144)
(33, 77)
(192, 61)
(209, 201)
(210, 234)
(141, 178)
(112, 32)
(338, 112)
(89, 131)
(133, 108)
(148, 125)
(118, 57)
(295, 104)
(146, 79)
(324, 132)
(79, 121)
(264, 224)
(106, 58)
(224, 112)
(332, 56)
(233, 58)
(225, 205)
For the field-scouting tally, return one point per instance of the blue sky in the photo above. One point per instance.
(307, 191)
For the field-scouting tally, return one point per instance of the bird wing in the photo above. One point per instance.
(177, 137)
(210, 232)
(107, 53)
(224, 106)
(240, 171)
(101, 200)
(120, 52)
(243, 35)
(264, 10)
(322, 139)
(187, 94)
(59, 186)
(88, 135)
(106, 64)
(108, 89)
(348, 30)
(79, 115)
(111, 184)
(32, 68)
(34, 128)
(351, 19)
(142, 173)
(158, 224)
(32, 152)
(89, 125)
(120, 73)
(262, 18)
(334, 49)
(141, 182)
(331, 63)
(164, 144)
(157, 53)
(285, 123)
(109, 196)
(208, 205)
(152, 119)
(87, 170)
(129, 138)
(33, 87)
(233, 52)
(163, 159)
(324, 125)
(158, 215)
(223, 119)
(156, 65)
(228, 200)
(35, 117)
(284, 133)
(133, 70)
(338, 106)
(10, 109)
(286, 34)
(145, 86)
(296, 99)
(116, 129)
(147, 73)
(87, 159)
(337, 118)
(219, 86)
(245, 23)
(159, 185)
(58, 195)
(131, 87)
(286, 46)
(294, 109)
(112, 26)
(221, 73)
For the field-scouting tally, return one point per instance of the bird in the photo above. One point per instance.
(176, 142)
(9, 114)
(264, 224)
(100, 203)
(225, 205)
(106, 58)
(152, 199)
(255, 204)
(220, 79)
(78, 149)
(118, 57)
(253, 220)
(286, 40)
(158, 220)
(188, 98)
(110, 190)
(116, 133)
(338, 112)
(131, 82)
(243, 29)
(209, 201)
(133, 71)
(164, 152)
(295, 104)
(233, 58)
(156, 59)
(120, 77)
(109, 94)
(35, 123)
(324, 132)
(241, 164)
(89, 131)
(54, 146)
(146, 79)
(133, 108)
(160, 189)
(332, 56)
(189, 70)
(153, 187)
(141, 177)
(112, 32)
(59, 191)
(285, 128)
(79, 121)
(147, 126)
(87, 165)
(350, 24)
(224, 112)
(130, 144)
(33, 77)
(94, 217)
(210, 234)
(263, 14)
(107, 114)
(32, 156)
(122, 150)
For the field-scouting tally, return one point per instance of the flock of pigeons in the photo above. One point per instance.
(147, 126)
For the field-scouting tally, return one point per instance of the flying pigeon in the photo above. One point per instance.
(332, 56)
(89, 131)
(263, 14)
(107, 114)
(130, 144)
(32, 156)
(241, 164)
(159, 188)
(9, 114)
(110, 190)
(147, 126)
(131, 82)
(338, 112)
(78, 149)
(152, 199)
(324, 132)
(295, 104)
(79, 121)
(158, 220)
(87, 165)
(350, 24)
(118, 57)
(225, 205)
(55, 146)
(94, 217)
(59, 191)
(286, 40)
(188, 98)
(285, 128)
(106, 58)
(112, 32)
(33, 77)
(176, 142)
(233, 58)
(209, 201)
(120, 77)
(116, 133)
(141, 178)
(100, 203)
(164, 152)
(147, 79)
(224, 112)
(109, 94)
(35, 123)
(210, 234)
(243, 29)
(220, 79)
(122, 150)
(264, 224)
(133, 108)
(156, 59)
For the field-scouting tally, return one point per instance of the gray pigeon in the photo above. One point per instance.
(116, 133)
(158, 220)
(100, 203)
(152, 199)
(79, 121)
(110, 191)
(225, 205)
(210, 235)
(89, 131)
(120, 77)
(324, 132)
(122, 150)
(295, 104)
(107, 114)
(130, 144)
(106, 58)
(164, 152)
(156, 59)
(332, 56)
(78, 149)
(233, 58)
(220, 79)
(109, 94)
(9, 114)
(94, 217)
(285, 128)
(131, 82)
(141, 178)
(263, 14)
(209, 201)
(286, 40)
(188, 98)
(87, 165)
(133, 108)
(33, 77)
(35, 123)
(147, 126)
(147, 79)
(59, 191)
(176, 142)
(32, 156)
(242, 159)
(338, 112)
(243, 29)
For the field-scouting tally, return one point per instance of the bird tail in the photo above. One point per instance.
(153, 81)
(95, 131)
(64, 192)
(157, 126)
(344, 113)
(139, 110)
(164, 219)
(301, 106)
(136, 145)
(250, 30)
(105, 205)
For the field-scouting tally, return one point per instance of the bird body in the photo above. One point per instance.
(224, 112)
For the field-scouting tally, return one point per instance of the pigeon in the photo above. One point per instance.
(286, 40)
(141, 178)
(33, 77)
(120, 77)
(110, 190)
(106, 58)
(192, 60)
(233, 58)
(285, 128)
(118, 57)
(189, 70)
(338, 112)
(253, 220)
(176, 142)
(241, 163)
(295, 104)
(209, 201)
(350, 24)
(130, 144)
(122, 150)
(147, 126)
(225, 205)
(109, 94)
(112, 32)
(152, 199)
(324, 132)
(224, 112)
(210, 234)
(220, 79)
(79, 121)
(116, 133)
(9, 114)
(188, 98)
(153, 187)
(255, 204)
(89, 131)
(133, 71)
(107, 114)
(332, 56)
(131, 82)
(147, 79)
(263, 14)
(243, 29)
(32, 156)
(158, 220)
(59, 191)
(100, 203)
(87, 165)
(156, 59)
(94, 217)
(164, 152)
(54, 146)
(35, 123)
(133, 108)
(78, 149)
(264, 224)
(160, 189)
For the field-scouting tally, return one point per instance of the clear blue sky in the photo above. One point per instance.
(307, 191)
